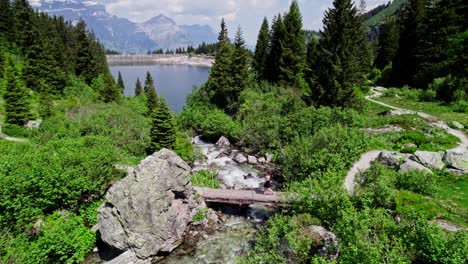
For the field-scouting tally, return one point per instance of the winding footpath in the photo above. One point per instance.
(8, 138)
(367, 158)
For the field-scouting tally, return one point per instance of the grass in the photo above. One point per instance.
(205, 178)
(436, 109)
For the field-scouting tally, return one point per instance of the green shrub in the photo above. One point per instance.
(408, 202)
(460, 106)
(184, 148)
(205, 178)
(416, 181)
(330, 149)
(89, 212)
(212, 123)
(374, 75)
(375, 187)
(200, 215)
(63, 239)
(16, 131)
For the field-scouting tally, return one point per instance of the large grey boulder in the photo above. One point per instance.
(324, 243)
(128, 257)
(392, 159)
(411, 165)
(241, 159)
(223, 142)
(148, 211)
(457, 159)
(430, 159)
(33, 124)
(252, 160)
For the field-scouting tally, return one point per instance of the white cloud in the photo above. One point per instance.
(246, 13)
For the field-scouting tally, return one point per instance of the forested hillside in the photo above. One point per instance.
(54, 177)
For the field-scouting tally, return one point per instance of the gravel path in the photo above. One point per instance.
(366, 159)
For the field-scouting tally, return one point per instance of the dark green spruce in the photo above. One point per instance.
(149, 82)
(163, 129)
(338, 65)
(138, 89)
(220, 79)
(16, 95)
(388, 43)
(261, 51)
(293, 59)
(239, 72)
(120, 83)
(275, 57)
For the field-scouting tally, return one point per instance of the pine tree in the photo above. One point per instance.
(5, 19)
(275, 58)
(338, 64)
(163, 129)
(239, 72)
(41, 65)
(16, 96)
(138, 89)
(294, 47)
(405, 63)
(388, 43)
(23, 24)
(220, 79)
(109, 92)
(261, 51)
(120, 83)
(152, 99)
(149, 83)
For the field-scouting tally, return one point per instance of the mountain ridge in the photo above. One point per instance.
(123, 35)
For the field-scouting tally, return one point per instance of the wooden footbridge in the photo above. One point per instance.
(241, 197)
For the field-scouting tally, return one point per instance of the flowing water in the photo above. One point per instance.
(240, 223)
(230, 174)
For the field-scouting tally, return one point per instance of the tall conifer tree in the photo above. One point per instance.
(220, 79)
(239, 72)
(108, 91)
(261, 51)
(5, 19)
(412, 27)
(138, 89)
(338, 65)
(120, 83)
(149, 83)
(23, 23)
(16, 95)
(163, 129)
(294, 47)
(388, 43)
(275, 58)
(152, 99)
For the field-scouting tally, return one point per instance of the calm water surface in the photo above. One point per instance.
(173, 82)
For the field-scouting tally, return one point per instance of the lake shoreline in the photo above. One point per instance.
(154, 59)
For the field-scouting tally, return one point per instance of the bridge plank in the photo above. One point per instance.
(242, 197)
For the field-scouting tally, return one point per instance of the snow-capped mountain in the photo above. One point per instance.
(124, 35)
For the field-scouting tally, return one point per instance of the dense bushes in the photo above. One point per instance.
(330, 149)
(60, 175)
(61, 238)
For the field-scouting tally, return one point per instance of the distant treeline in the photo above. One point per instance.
(202, 49)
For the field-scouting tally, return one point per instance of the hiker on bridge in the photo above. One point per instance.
(267, 185)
